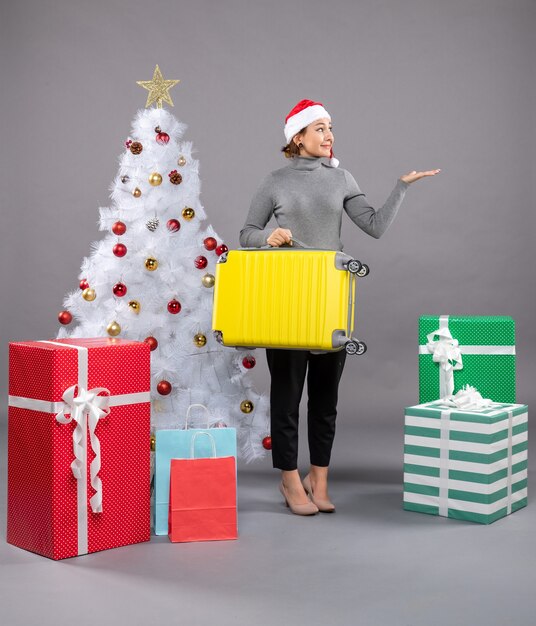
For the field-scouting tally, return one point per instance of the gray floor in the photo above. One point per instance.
(369, 563)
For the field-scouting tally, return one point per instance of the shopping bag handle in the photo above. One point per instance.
(188, 414)
(212, 443)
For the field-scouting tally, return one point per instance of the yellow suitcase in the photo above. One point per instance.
(287, 298)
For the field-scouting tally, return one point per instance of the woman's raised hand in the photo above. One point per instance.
(411, 177)
(278, 237)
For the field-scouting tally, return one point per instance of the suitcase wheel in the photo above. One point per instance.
(355, 347)
(364, 271)
(354, 266)
(218, 336)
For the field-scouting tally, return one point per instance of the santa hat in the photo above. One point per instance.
(303, 114)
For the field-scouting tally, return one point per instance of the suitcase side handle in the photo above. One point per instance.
(300, 243)
(293, 240)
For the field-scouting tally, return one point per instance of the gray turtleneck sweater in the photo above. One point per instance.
(308, 197)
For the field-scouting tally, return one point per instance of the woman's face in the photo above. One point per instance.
(317, 140)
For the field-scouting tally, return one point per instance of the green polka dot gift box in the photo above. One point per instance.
(465, 464)
(455, 351)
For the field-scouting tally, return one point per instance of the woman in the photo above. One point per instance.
(307, 199)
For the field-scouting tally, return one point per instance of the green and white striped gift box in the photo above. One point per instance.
(468, 465)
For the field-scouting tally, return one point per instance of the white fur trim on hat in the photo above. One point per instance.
(304, 118)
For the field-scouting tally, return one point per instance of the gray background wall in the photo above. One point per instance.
(410, 85)
(414, 84)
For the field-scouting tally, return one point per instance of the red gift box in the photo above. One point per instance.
(78, 445)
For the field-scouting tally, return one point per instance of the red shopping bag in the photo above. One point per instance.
(202, 497)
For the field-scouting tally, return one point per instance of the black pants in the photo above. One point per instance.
(288, 369)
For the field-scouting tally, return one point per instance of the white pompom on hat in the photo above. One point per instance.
(303, 114)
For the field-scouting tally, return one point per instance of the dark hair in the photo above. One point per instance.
(291, 150)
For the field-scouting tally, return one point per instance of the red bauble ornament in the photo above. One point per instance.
(119, 289)
(200, 262)
(162, 138)
(210, 243)
(119, 228)
(174, 306)
(173, 225)
(164, 388)
(267, 443)
(153, 343)
(249, 362)
(119, 249)
(64, 317)
(221, 249)
(84, 284)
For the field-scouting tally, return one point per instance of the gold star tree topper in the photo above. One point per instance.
(158, 89)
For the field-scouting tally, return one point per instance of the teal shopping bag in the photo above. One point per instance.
(175, 444)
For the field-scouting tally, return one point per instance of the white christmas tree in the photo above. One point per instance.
(151, 279)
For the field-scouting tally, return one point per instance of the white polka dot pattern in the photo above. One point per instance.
(42, 491)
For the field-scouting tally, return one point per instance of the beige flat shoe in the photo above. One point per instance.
(324, 506)
(298, 509)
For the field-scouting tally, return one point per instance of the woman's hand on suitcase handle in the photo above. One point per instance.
(411, 177)
(278, 237)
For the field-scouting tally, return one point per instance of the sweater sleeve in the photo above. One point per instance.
(373, 222)
(254, 233)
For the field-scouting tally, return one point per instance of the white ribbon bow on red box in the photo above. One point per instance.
(86, 409)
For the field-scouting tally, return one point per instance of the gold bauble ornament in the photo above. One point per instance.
(113, 329)
(188, 213)
(208, 281)
(181, 161)
(153, 443)
(155, 179)
(200, 340)
(246, 406)
(151, 264)
(89, 294)
(137, 192)
(135, 306)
